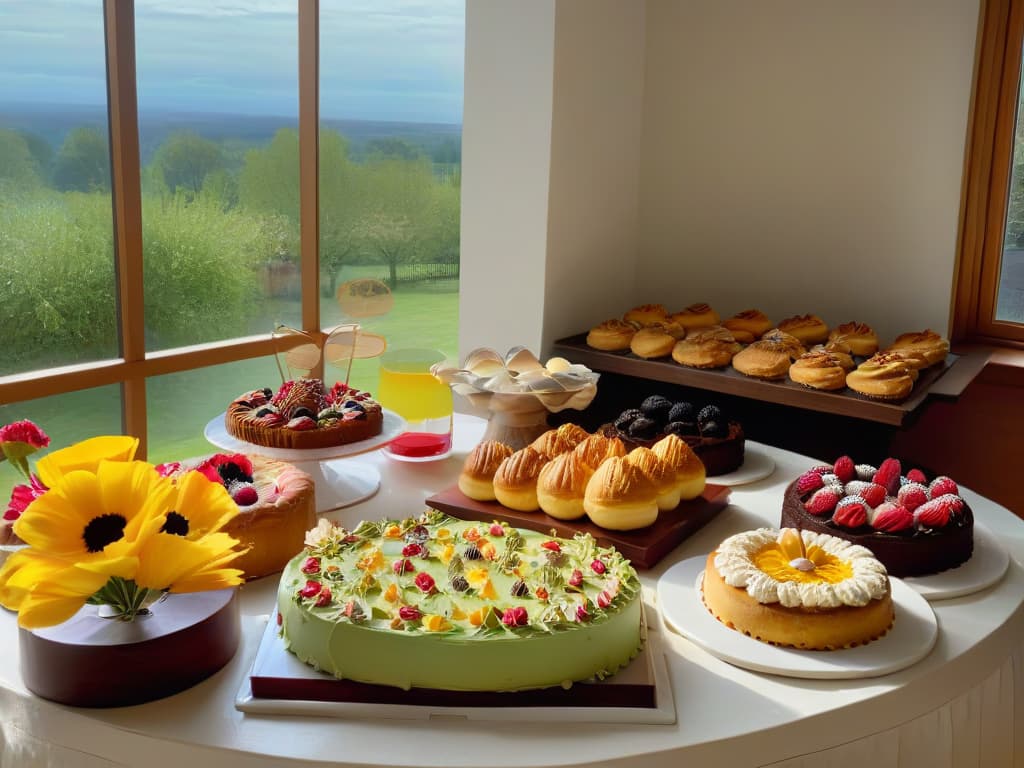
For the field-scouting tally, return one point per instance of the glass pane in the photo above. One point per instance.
(1010, 296)
(67, 419)
(218, 112)
(390, 166)
(57, 301)
(180, 405)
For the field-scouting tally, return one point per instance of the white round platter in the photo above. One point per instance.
(910, 639)
(987, 566)
(757, 465)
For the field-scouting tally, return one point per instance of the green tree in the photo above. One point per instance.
(397, 206)
(41, 151)
(83, 161)
(393, 148)
(269, 183)
(17, 166)
(185, 159)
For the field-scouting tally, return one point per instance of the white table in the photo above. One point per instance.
(963, 705)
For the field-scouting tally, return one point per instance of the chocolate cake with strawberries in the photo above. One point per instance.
(914, 525)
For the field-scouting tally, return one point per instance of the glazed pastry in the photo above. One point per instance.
(645, 314)
(611, 335)
(660, 473)
(818, 370)
(696, 316)
(558, 441)
(619, 496)
(881, 377)
(914, 360)
(515, 481)
(840, 350)
(859, 337)
(768, 358)
(749, 325)
(808, 329)
(476, 479)
(711, 347)
(690, 471)
(790, 342)
(655, 340)
(927, 342)
(596, 448)
(561, 484)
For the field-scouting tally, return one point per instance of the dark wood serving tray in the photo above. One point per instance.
(948, 379)
(643, 547)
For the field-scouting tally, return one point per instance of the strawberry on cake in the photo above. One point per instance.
(914, 525)
(303, 414)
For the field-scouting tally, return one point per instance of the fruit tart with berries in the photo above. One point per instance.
(716, 439)
(915, 525)
(276, 503)
(304, 414)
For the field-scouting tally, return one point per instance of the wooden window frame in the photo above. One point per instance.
(136, 365)
(986, 187)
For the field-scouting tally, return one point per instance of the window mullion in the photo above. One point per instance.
(309, 158)
(119, 16)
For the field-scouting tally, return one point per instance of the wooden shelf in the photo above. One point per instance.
(946, 380)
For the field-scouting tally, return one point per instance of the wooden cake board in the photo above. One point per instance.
(643, 547)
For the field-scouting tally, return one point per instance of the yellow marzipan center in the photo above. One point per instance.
(775, 562)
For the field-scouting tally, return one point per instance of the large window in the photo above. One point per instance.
(178, 178)
(990, 287)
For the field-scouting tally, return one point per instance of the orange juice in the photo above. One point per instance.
(408, 388)
(414, 396)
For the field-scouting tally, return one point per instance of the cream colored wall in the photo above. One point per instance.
(805, 156)
(794, 155)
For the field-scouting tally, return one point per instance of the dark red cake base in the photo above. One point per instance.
(89, 661)
(907, 553)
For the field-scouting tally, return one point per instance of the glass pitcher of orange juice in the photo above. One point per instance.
(408, 388)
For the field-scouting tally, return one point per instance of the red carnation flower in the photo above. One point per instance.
(167, 469)
(22, 496)
(24, 432)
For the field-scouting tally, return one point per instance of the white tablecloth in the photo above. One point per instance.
(963, 705)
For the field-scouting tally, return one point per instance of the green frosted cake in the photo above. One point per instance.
(435, 602)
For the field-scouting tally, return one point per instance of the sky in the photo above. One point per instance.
(396, 60)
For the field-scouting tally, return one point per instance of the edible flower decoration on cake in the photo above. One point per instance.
(435, 574)
(111, 531)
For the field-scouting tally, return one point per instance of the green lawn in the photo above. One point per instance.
(180, 405)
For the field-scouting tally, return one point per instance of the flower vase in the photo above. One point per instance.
(96, 661)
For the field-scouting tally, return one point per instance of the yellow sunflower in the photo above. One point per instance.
(200, 507)
(85, 455)
(99, 520)
(178, 564)
(45, 590)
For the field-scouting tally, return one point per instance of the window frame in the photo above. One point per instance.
(135, 365)
(986, 185)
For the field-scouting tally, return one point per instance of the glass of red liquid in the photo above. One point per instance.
(408, 388)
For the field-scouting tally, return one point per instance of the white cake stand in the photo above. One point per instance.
(338, 483)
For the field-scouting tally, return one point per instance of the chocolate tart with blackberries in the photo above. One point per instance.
(717, 441)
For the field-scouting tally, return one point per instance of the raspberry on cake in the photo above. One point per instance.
(302, 414)
(915, 528)
(277, 506)
(797, 588)
(435, 602)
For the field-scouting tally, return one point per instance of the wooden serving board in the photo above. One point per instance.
(644, 547)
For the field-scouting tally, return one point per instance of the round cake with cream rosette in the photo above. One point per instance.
(797, 588)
